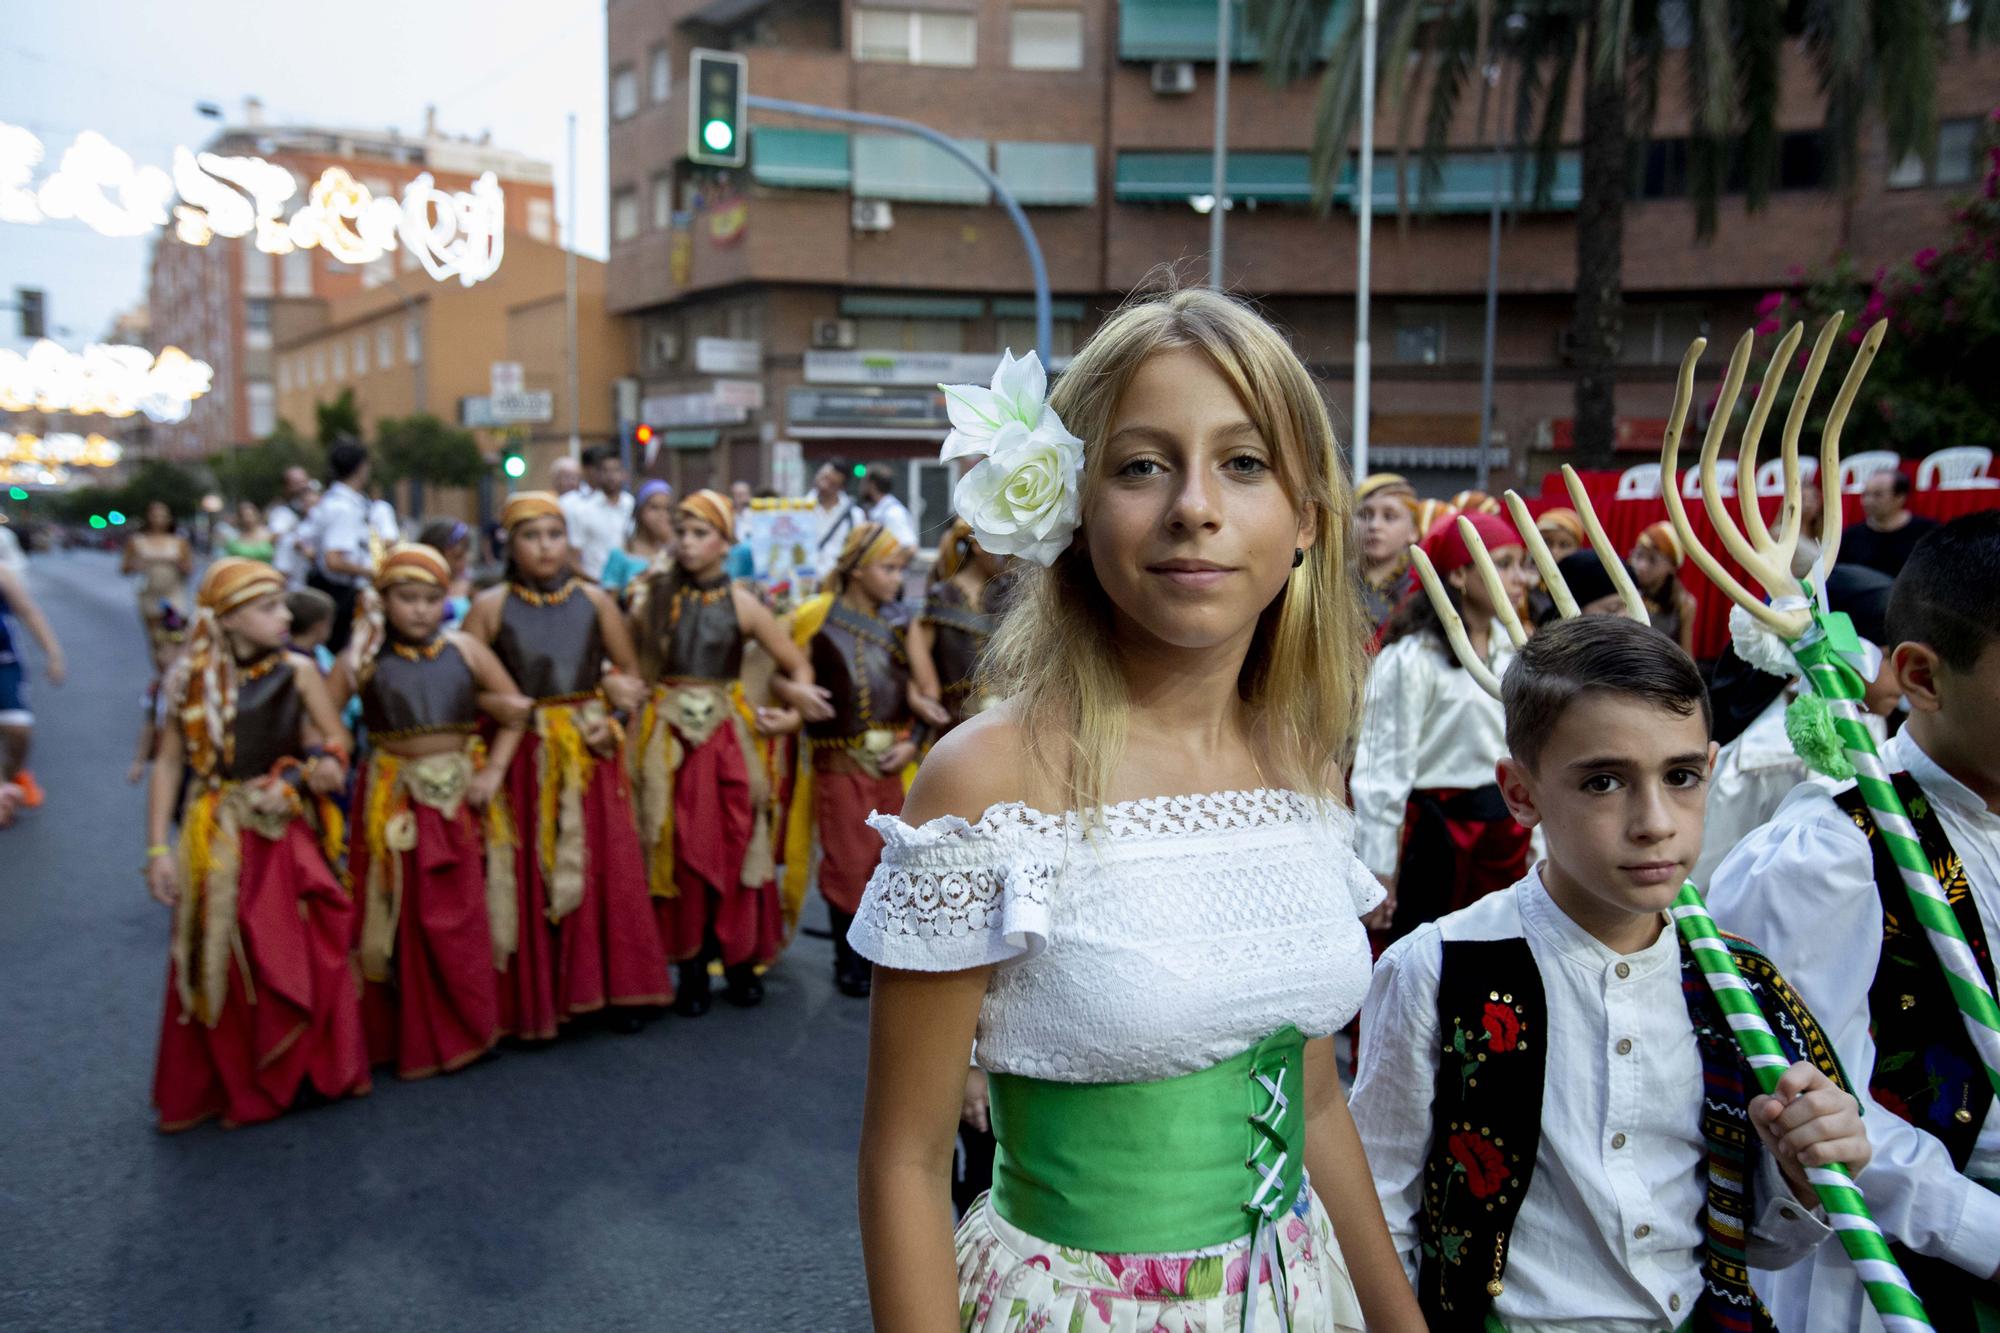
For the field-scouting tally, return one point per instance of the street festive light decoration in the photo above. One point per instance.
(1823, 644)
(104, 379)
(452, 233)
(59, 450)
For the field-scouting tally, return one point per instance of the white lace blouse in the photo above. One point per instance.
(1182, 932)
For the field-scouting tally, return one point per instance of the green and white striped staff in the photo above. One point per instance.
(1888, 1290)
(1822, 642)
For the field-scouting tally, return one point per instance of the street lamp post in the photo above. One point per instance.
(1219, 166)
(1510, 27)
(1370, 17)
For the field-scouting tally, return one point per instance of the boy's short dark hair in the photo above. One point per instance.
(345, 456)
(1571, 658)
(310, 609)
(1948, 594)
(883, 478)
(594, 455)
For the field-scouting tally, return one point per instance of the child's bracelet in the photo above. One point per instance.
(158, 850)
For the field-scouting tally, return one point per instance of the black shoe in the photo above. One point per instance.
(746, 988)
(691, 998)
(625, 1021)
(855, 981)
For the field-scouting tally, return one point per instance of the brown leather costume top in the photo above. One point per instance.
(406, 695)
(861, 660)
(269, 717)
(703, 639)
(959, 637)
(552, 650)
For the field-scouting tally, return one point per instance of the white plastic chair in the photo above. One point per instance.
(1856, 469)
(1639, 483)
(1771, 475)
(1958, 469)
(1725, 480)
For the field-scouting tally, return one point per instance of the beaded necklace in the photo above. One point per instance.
(536, 597)
(419, 652)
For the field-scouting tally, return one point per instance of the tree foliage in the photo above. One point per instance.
(256, 472)
(337, 418)
(1933, 384)
(428, 450)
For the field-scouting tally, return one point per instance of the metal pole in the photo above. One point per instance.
(1370, 14)
(1038, 270)
(1492, 282)
(1219, 179)
(569, 304)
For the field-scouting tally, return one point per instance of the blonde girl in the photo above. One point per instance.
(1132, 880)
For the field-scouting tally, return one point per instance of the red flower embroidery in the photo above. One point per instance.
(1891, 1103)
(1485, 1168)
(1503, 1028)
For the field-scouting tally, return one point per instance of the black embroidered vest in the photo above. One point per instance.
(1926, 1068)
(1487, 1123)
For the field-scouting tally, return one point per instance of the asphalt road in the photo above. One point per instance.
(697, 1175)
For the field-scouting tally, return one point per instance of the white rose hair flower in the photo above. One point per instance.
(1023, 496)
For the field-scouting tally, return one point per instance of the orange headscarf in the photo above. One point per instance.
(1475, 502)
(413, 562)
(524, 505)
(1567, 520)
(233, 581)
(205, 685)
(1663, 540)
(712, 508)
(1383, 483)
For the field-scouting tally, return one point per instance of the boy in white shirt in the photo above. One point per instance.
(1552, 1103)
(1817, 887)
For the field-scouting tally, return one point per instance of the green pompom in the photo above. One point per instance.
(1809, 727)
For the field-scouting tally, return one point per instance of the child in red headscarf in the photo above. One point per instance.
(1429, 820)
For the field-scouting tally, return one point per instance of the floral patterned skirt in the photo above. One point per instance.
(1011, 1282)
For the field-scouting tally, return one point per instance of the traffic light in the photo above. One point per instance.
(17, 493)
(717, 85)
(33, 303)
(513, 464)
(642, 435)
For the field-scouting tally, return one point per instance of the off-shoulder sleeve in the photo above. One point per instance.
(951, 895)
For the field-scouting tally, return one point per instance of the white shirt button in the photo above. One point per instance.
(1617, 1140)
(1624, 970)
(1624, 1046)
(1641, 1231)
(1674, 1302)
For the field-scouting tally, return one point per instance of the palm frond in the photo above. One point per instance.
(1760, 45)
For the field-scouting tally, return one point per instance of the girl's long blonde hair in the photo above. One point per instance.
(1054, 654)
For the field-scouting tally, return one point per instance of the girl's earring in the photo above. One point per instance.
(1298, 556)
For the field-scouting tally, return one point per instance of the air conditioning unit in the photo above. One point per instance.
(872, 215)
(1173, 78)
(666, 349)
(833, 334)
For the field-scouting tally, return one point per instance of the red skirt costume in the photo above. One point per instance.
(703, 779)
(586, 934)
(862, 661)
(262, 1001)
(433, 932)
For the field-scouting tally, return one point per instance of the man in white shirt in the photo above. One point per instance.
(835, 514)
(878, 496)
(600, 514)
(284, 519)
(1816, 890)
(342, 536)
(1547, 1086)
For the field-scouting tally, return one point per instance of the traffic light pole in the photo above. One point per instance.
(1044, 316)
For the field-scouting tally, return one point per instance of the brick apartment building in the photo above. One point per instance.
(226, 302)
(430, 347)
(801, 309)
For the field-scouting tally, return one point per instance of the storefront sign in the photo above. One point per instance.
(739, 393)
(904, 409)
(506, 409)
(728, 356)
(875, 367)
(691, 409)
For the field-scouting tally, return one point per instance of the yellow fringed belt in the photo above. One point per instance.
(564, 769)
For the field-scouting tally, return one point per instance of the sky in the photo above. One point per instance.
(133, 71)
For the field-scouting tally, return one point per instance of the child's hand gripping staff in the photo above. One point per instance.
(1888, 1290)
(1824, 645)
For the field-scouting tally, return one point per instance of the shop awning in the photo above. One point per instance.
(690, 439)
(895, 166)
(1049, 174)
(1467, 184)
(901, 305)
(799, 159)
(1150, 177)
(1185, 30)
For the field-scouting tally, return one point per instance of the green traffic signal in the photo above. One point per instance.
(514, 466)
(16, 493)
(115, 517)
(718, 135)
(718, 85)
(97, 521)
(860, 470)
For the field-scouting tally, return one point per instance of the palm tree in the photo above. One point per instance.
(1878, 55)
